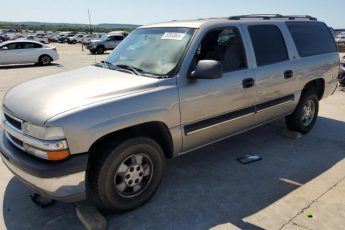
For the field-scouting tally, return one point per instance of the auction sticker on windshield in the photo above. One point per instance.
(173, 36)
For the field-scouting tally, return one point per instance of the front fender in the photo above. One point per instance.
(86, 125)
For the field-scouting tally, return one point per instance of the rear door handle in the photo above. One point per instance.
(248, 82)
(288, 74)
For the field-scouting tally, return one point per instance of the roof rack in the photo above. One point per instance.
(272, 16)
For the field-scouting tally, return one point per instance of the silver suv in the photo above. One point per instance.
(106, 42)
(103, 132)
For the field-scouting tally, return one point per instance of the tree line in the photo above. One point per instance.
(54, 28)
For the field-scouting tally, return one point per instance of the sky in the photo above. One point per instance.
(150, 11)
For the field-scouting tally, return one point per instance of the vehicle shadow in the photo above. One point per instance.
(209, 187)
(105, 53)
(27, 66)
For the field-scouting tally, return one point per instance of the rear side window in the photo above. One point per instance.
(269, 45)
(311, 38)
(118, 38)
(30, 45)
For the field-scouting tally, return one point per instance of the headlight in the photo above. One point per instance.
(43, 133)
(47, 155)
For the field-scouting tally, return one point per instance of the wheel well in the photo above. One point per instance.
(39, 58)
(158, 131)
(317, 85)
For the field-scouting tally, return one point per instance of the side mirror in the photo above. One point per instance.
(207, 69)
(4, 48)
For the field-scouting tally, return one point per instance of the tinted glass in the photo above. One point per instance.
(224, 46)
(311, 38)
(118, 38)
(30, 45)
(268, 43)
(11, 46)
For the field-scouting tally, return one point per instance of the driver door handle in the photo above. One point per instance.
(288, 74)
(248, 83)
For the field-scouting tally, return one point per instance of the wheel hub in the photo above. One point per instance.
(134, 175)
(308, 113)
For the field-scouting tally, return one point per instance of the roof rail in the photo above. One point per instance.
(272, 16)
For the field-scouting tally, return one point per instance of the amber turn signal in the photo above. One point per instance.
(57, 155)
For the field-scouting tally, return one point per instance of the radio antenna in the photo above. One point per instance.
(88, 11)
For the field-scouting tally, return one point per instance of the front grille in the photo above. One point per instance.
(13, 122)
(15, 140)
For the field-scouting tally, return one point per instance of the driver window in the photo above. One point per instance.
(11, 46)
(224, 46)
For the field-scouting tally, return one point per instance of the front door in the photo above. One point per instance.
(10, 55)
(216, 108)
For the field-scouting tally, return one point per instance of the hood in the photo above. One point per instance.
(38, 100)
(95, 41)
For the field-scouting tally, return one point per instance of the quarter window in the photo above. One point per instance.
(311, 38)
(30, 45)
(268, 43)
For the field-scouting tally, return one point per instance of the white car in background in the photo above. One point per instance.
(78, 38)
(42, 39)
(88, 37)
(24, 51)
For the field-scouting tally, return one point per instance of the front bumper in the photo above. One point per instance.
(63, 180)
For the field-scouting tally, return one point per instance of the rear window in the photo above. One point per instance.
(268, 43)
(311, 38)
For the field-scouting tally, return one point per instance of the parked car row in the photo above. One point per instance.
(342, 72)
(340, 40)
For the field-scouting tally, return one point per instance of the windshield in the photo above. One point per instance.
(155, 51)
(104, 37)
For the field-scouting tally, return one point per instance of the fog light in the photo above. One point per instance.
(47, 155)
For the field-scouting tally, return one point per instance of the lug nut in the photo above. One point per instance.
(141, 174)
(130, 182)
(132, 169)
(128, 176)
(138, 168)
(136, 181)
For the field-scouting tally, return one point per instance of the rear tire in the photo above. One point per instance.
(127, 175)
(44, 60)
(305, 115)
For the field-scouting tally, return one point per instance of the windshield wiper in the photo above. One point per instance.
(133, 69)
(107, 64)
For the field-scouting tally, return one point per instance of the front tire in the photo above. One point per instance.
(100, 50)
(305, 115)
(127, 175)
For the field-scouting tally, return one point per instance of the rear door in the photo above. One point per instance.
(274, 72)
(113, 41)
(31, 52)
